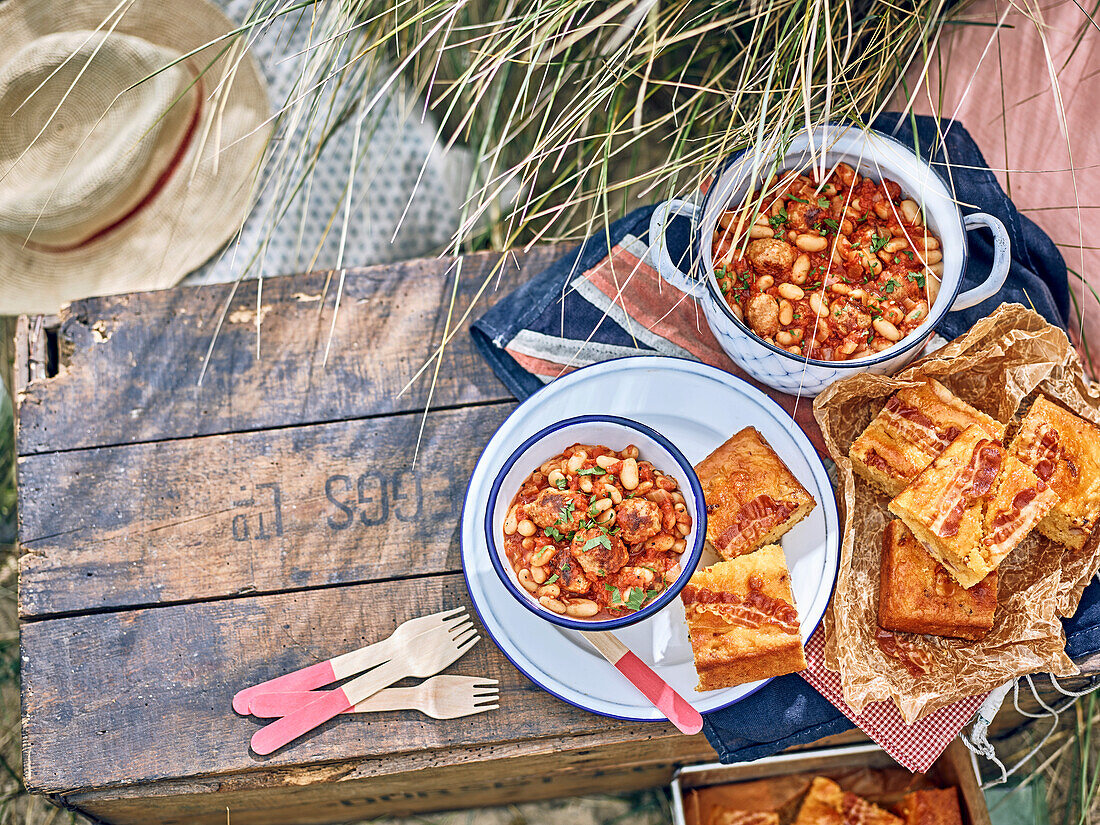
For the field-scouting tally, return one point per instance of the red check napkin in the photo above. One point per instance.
(914, 746)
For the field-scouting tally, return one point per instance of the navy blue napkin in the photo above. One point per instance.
(787, 711)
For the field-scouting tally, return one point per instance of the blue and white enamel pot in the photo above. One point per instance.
(874, 155)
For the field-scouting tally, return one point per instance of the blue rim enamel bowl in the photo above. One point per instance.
(615, 433)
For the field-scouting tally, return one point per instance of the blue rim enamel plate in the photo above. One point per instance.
(696, 407)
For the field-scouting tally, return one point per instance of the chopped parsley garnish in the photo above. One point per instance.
(566, 513)
(561, 484)
(823, 203)
(799, 200)
(592, 471)
(870, 335)
(565, 567)
(832, 224)
(777, 221)
(552, 579)
(797, 315)
(917, 277)
(890, 285)
(553, 533)
(878, 242)
(908, 252)
(596, 541)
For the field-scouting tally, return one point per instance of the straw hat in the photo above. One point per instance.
(127, 187)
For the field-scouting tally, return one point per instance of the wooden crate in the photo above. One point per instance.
(194, 524)
(864, 769)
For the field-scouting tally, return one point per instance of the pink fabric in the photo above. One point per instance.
(997, 83)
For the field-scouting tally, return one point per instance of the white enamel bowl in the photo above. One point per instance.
(874, 155)
(616, 433)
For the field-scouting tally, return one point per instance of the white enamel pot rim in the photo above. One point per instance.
(887, 157)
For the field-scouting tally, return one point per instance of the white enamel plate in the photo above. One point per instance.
(697, 407)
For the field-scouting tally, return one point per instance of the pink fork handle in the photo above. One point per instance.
(307, 678)
(282, 731)
(660, 693)
(280, 704)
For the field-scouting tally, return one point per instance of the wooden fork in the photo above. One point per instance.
(441, 697)
(433, 651)
(348, 664)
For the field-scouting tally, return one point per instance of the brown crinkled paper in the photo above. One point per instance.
(1002, 360)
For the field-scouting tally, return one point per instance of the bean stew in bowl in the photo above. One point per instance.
(833, 269)
(596, 522)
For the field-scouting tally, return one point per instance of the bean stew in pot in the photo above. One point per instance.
(597, 534)
(831, 270)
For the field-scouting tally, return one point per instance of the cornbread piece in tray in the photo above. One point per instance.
(742, 620)
(728, 816)
(1063, 449)
(917, 595)
(827, 804)
(930, 807)
(752, 497)
(973, 505)
(915, 426)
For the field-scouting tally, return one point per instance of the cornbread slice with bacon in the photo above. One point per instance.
(930, 807)
(752, 497)
(973, 505)
(915, 426)
(917, 595)
(826, 803)
(742, 620)
(1063, 449)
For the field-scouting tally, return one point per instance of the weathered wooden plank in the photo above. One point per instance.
(263, 511)
(141, 696)
(135, 360)
(571, 766)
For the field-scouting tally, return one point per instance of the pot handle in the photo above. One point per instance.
(658, 223)
(1002, 260)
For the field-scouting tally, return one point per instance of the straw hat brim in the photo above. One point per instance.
(202, 202)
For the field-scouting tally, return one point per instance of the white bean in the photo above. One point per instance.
(605, 461)
(576, 461)
(811, 243)
(628, 475)
(886, 329)
(543, 556)
(525, 579)
(511, 523)
(791, 292)
(552, 604)
(800, 269)
(818, 305)
(582, 608)
(526, 527)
